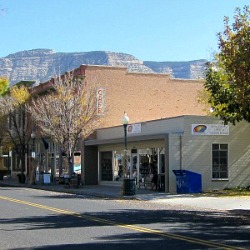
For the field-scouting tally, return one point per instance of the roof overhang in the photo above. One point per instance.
(129, 139)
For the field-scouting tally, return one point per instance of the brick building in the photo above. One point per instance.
(144, 96)
(169, 132)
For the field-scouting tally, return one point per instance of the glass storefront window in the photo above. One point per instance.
(161, 160)
(118, 166)
(106, 166)
(119, 163)
(140, 163)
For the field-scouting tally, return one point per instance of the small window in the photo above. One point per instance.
(220, 161)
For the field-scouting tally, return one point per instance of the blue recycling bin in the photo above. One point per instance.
(188, 182)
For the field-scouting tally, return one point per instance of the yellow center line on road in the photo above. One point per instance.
(127, 226)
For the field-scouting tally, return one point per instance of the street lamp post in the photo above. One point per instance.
(125, 121)
(32, 168)
(33, 136)
(128, 183)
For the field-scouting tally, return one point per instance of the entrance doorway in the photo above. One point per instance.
(151, 167)
(144, 166)
(106, 166)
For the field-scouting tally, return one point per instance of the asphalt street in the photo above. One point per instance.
(240, 204)
(40, 219)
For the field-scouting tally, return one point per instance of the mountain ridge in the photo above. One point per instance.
(42, 64)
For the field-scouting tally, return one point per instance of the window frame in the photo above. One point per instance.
(222, 152)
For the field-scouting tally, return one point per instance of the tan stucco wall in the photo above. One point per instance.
(197, 153)
(196, 149)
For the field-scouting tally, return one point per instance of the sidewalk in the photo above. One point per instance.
(107, 191)
(196, 201)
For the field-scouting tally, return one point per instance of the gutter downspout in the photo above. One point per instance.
(166, 145)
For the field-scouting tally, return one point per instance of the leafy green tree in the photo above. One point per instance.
(14, 126)
(4, 85)
(228, 76)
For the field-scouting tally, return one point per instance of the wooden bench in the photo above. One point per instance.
(72, 182)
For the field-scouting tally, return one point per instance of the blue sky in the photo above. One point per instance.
(151, 30)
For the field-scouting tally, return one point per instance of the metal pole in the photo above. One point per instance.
(125, 152)
(125, 135)
(33, 147)
(29, 170)
(126, 189)
(54, 164)
(33, 167)
(180, 152)
(46, 161)
(32, 162)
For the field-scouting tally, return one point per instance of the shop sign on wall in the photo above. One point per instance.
(100, 101)
(210, 129)
(134, 128)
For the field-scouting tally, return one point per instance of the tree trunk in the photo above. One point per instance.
(69, 164)
(21, 153)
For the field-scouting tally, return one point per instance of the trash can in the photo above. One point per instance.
(129, 187)
(21, 178)
(187, 182)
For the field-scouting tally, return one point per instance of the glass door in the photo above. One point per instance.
(144, 166)
(106, 166)
(134, 165)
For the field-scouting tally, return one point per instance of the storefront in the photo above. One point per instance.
(144, 157)
(204, 145)
(142, 162)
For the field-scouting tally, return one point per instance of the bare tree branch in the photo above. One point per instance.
(67, 113)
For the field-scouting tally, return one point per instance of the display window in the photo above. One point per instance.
(135, 163)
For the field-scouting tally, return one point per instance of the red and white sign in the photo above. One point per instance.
(100, 101)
